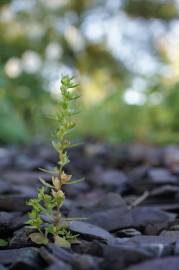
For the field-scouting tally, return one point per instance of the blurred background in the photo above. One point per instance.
(124, 53)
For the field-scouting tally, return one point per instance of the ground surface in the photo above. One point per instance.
(130, 197)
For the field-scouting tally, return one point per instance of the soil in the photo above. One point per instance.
(130, 199)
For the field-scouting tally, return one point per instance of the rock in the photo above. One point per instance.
(171, 233)
(137, 153)
(166, 190)
(20, 238)
(158, 264)
(110, 213)
(59, 253)
(171, 156)
(110, 219)
(7, 222)
(119, 257)
(160, 176)
(28, 260)
(85, 262)
(144, 178)
(155, 229)
(2, 267)
(59, 265)
(110, 200)
(93, 247)
(112, 180)
(6, 156)
(130, 232)
(176, 248)
(22, 256)
(5, 187)
(143, 216)
(25, 162)
(20, 177)
(89, 230)
(15, 202)
(156, 245)
(81, 188)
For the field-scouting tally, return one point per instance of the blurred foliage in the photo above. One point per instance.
(41, 40)
(165, 10)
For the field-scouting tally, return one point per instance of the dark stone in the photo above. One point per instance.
(171, 233)
(109, 179)
(59, 265)
(130, 232)
(28, 260)
(143, 216)
(85, 262)
(20, 238)
(155, 229)
(165, 190)
(25, 162)
(18, 177)
(171, 156)
(110, 219)
(89, 230)
(145, 178)
(156, 245)
(171, 263)
(60, 253)
(2, 267)
(93, 247)
(110, 213)
(6, 156)
(72, 192)
(119, 257)
(22, 256)
(5, 187)
(110, 200)
(160, 176)
(7, 222)
(14, 202)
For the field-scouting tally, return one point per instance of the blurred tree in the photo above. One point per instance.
(161, 9)
(42, 39)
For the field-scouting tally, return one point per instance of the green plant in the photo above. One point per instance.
(3, 243)
(45, 216)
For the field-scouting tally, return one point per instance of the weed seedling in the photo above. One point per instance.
(45, 217)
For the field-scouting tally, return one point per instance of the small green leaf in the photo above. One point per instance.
(45, 183)
(55, 145)
(53, 172)
(62, 242)
(38, 238)
(3, 243)
(75, 97)
(74, 145)
(75, 181)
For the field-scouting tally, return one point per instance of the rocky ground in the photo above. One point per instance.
(130, 198)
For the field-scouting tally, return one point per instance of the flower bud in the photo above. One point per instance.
(56, 182)
(65, 178)
(58, 194)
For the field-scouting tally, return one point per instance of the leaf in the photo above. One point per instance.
(3, 243)
(38, 238)
(75, 181)
(55, 145)
(48, 171)
(74, 145)
(45, 183)
(62, 242)
(75, 97)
